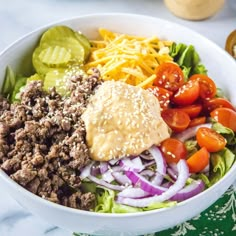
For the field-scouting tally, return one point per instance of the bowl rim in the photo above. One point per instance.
(49, 204)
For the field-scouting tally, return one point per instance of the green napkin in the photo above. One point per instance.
(219, 219)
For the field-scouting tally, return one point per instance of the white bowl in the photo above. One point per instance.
(221, 67)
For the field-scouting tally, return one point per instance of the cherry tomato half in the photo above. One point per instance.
(169, 76)
(210, 139)
(225, 116)
(197, 121)
(198, 161)
(187, 93)
(210, 105)
(163, 95)
(207, 85)
(173, 150)
(177, 120)
(192, 110)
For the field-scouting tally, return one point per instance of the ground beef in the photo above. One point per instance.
(42, 141)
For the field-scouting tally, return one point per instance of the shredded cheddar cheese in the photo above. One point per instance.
(127, 58)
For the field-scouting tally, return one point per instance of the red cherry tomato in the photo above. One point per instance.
(187, 93)
(163, 95)
(198, 161)
(225, 116)
(210, 139)
(192, 110)
(177, 120)
(210, 105)
(207, 85)
(169, 76)
(197, 121)
(173, 150)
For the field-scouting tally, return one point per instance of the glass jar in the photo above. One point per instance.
(194, 9)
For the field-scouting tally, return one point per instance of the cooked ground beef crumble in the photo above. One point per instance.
(42, 141)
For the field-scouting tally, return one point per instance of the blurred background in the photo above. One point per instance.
(18, 17)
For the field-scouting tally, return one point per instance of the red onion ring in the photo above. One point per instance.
(159, 159)
(169, 193)
(133, 193)
(105, 184)
(189, 191)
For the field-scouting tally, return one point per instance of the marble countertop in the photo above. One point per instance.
(18, 17)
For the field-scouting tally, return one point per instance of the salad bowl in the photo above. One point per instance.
(220, 66)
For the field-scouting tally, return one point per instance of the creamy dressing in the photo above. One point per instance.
(122, 120)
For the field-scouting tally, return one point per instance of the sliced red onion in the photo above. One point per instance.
(191, 132)
(147, 157)
(85, 172)
(189, 191)
(173, 166)
(172, 191)
(158, 179)
(117, 169)
(133, 193)
(134, 164)
(113, 161)
(172, 173)
(148, 173)
(139, 181)
(121, 178)
(167, 184)
(105, 184)
(150, 163)
(103, 167)
(95, 170)
(160, 160)
(107, 176)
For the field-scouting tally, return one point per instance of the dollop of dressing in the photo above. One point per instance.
(122, 120)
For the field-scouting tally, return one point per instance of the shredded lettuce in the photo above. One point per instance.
(187, 58)
(191, 146)
(9, 82)
(19, 87)
(227, 133)
(106, 203)
(221, 163)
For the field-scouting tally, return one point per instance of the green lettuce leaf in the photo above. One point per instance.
(105, 199)
(191, 146)
(221, 163)
(9, 82)
(158, 205)
(119, 208)
(18, 88)
(106, 203)
(205, 179)
(227, 133)
(187, 58)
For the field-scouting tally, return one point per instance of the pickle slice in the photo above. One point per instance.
(55, 55)
(60, 47)
(34, 77)
(72, 45)
(85, 43)
(57, 33)
(39, 66)
(56, 78)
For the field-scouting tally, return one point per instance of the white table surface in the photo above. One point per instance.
(18, 17)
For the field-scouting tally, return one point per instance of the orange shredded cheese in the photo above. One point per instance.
(127, 58)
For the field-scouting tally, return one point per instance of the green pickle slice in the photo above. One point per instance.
(55, 55)
(60, 48)
(57, 32)
(85, 42)
(56, 78)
